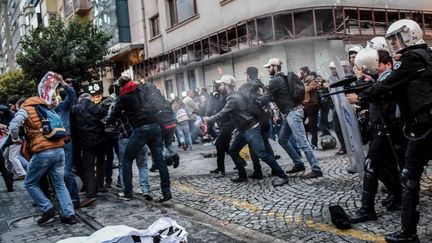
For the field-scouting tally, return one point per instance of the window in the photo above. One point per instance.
(180, 10)
(191, 79)
(154, 25)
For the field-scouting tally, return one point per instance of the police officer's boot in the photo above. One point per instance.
(410, 217)
(367, 211)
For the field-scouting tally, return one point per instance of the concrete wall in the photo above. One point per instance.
(212, 16)
(136, 20)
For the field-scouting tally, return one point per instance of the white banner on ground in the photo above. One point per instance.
(164, 230)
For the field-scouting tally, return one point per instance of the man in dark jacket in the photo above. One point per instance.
(215, 104)
(278, 90)
(248, 132)
(87, 118)
(256, 88)
(134, 101)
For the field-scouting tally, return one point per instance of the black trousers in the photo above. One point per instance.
(418, 154)
(311, 113)
(338, 130)
(265, 132)
(112, 147)
(7, 175)
(381, 164)
(222, 145)
(92, 158)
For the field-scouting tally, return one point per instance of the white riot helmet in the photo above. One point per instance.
(353, 48)
(368, 60)
(378, 43)
(402, 34)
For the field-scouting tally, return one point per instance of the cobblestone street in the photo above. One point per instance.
(216, 210)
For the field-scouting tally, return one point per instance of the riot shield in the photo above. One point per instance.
(348, 120)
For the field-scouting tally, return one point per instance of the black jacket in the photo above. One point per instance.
(87, 125)
(411, 91)
(278, 91)
(236, 108)
(136, 106)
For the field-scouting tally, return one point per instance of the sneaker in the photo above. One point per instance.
(184, 146)
(239, 179)
(280, 182)
(47, 217)
(68, 220)
(165, 198)
(295, 169)
(126, 197)
(87, 201)
(313, 174)
(220, 175)
(216, 171)
(256, 176)
(147, 196)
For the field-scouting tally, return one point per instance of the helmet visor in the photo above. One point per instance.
(395, 43)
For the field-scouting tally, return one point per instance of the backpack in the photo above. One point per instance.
(52, 125)
(296, 87)
(249, 93)
(182, 116)
(160, 106)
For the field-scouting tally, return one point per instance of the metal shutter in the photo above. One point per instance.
(240, 66)
(211, 73)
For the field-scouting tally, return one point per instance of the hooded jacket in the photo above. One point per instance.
(133, 103)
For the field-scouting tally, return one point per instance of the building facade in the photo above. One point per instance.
(191, 43)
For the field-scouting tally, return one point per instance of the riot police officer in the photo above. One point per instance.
(410, 82)
(385, 145)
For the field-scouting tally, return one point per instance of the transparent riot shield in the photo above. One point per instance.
(348, 119)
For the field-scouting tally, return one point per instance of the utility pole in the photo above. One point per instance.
(10, 57)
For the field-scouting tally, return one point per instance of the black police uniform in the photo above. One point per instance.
(384, 156)
(411, 83)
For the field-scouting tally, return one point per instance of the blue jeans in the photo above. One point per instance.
(23, 161)
(293, 125)
(184, 133)
(149, 135)
(51, 161)
(141, 162)
(69, 176)
(254, 139)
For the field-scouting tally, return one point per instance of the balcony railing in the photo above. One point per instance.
(82, 6)
(330, 22)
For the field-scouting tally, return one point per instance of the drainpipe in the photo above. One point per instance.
(8, 35)
(145, 30)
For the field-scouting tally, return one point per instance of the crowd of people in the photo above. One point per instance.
(136, 120)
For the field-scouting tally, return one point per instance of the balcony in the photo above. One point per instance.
(82, 6)
(330, 22)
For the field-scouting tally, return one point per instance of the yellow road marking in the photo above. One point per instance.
(287, 218)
